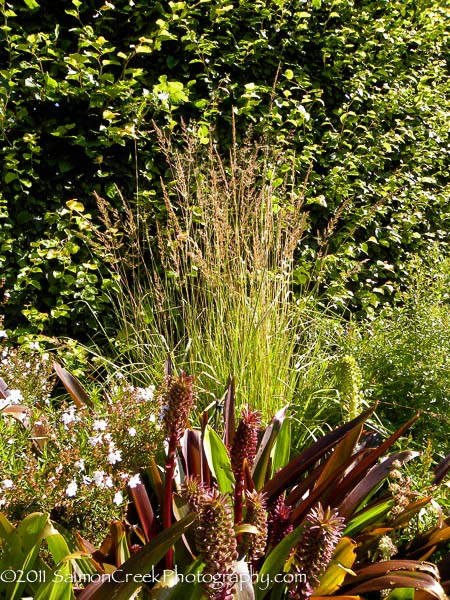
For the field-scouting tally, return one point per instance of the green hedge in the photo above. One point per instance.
(357, 91)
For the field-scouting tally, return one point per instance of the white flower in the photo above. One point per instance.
(108, 482)
(99, 425)
(3, 334)
(69, 416)
(3, 403)
(71, 489)
(114, 456)
(97, 477)
(146, 394)
(79, 464)
(132, 431)
(163, 96)
(96, 439)
(152, 418)
(15, 396)
(7, 483)
(118, 498)
(134, 481)
(87, 480)
(34, 345)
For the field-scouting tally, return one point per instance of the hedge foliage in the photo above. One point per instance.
(355, 92)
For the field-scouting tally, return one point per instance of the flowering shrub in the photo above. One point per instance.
(87, 457)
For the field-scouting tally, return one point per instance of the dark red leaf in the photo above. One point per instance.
(192, 448)
(360, 470)
(374, 476)
(299, 465)
(441, 470)
(4, 389)
(144, 510)
(73, 386)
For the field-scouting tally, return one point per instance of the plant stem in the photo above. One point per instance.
(168, 493)
(238, 504)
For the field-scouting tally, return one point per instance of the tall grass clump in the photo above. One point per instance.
(212, 286)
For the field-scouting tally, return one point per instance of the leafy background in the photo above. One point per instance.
(356, 92)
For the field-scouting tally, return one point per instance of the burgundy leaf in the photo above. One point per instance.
(144, 510)
(375, 476)
(73, 386)
(441, 470)
(299, 465)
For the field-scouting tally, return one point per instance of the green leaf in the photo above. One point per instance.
(32, 4)
(218, 460)
(10, 176)
(367, 517)
(402, 594)
(21, 548)
(262, 459)
(75, 205)
(274, 563)
(282, 450)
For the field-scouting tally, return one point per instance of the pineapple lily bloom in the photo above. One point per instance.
(178, 401)
(323, 530)
(214, 537)
(243, 449)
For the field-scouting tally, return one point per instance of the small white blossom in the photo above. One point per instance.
(87, 480)
(114, 456)
(7, 483)
(134, 481)
(15, 396)
(34, 345)
(146, 394)
(163, 96)
(96, 439)
(79, 464)
(132, 431)
(118, 498)
(98, 477)
(108, 482)
(99, 425)
(69, 416)
(3, 334)
(72, 488)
